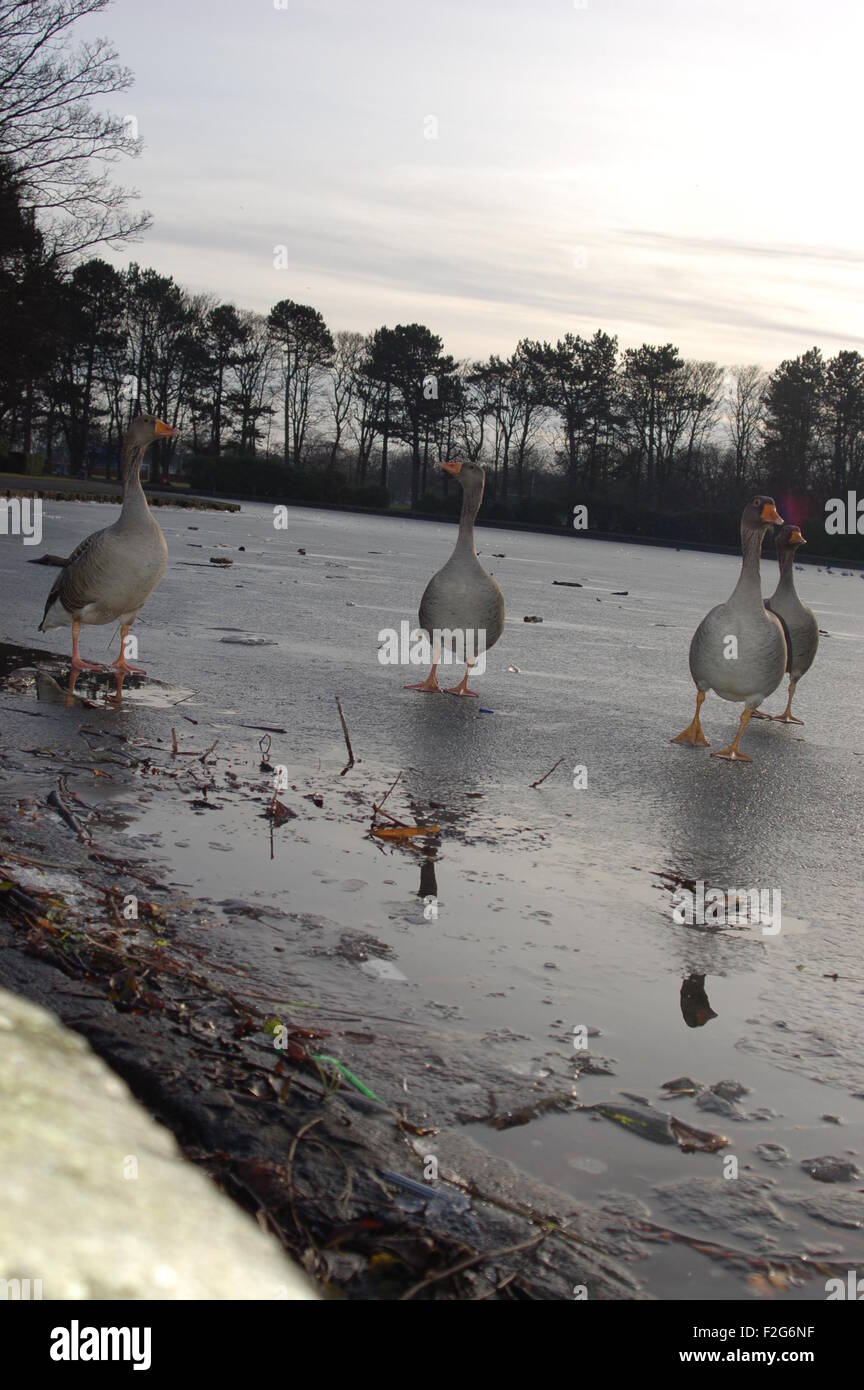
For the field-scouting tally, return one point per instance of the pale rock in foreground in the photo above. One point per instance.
(71, 1212)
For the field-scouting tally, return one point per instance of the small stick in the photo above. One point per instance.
(473, 1260)
(57, 804)
(389, 790)
(350, 762)
(174, 744)
(377, 807)
(541, 780)
(376, 811)
(209, 750)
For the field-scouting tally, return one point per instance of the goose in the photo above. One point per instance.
(739, 649)
(111, 574)
(799, 621)
(462, 601)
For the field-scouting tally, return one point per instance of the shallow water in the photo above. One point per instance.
(553, 904)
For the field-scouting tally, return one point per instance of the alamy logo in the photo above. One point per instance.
(77, 1343)
(853, 1288)
(732, 907)
(844, 518)
(18, 1290)
(22, 516)
(449, 646)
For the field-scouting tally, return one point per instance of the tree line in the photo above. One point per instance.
(86, 348)
(281, 404)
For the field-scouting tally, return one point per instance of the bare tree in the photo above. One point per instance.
(476, 407)
(367, 408)
(306, 349)
(745, 415)
(343, 384)
(515, 391)
(253, 365)
(703, 391)
(58, 145)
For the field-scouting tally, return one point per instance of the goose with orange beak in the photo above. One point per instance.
(739, 648)
(799, 622)
(110, 576)
(462, 608)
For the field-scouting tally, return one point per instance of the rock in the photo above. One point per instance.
(592, 1064)
(716, 1105)
(97, 1201)
(683, 1085)
(773, 1153)
(829, 1168)
(730, 1090)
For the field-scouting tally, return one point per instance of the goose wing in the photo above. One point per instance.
(72, 588)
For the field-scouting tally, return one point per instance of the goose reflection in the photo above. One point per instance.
(695, 1008)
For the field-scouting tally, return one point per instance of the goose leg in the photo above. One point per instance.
(731, 753)
(693, 733)
(462, 687)
(787, 717)
(78, 662)
(430, 684)
(122, 667)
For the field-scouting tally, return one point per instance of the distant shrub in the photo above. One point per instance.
(434, 504)
(237, 475)
(541, 511)
(372, 495)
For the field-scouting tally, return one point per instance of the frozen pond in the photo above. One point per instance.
(554, 908)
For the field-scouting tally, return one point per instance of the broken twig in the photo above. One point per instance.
(541, 780)
(350, 762)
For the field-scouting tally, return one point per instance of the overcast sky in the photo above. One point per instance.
(668, 170)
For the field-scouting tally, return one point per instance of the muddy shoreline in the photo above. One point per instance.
(289, 1138)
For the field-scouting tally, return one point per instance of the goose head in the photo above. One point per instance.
(789, 537)
(759, 514)
(144, 429)
(471, 475)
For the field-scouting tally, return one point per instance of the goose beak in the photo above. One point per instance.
(164, 431)
(770, 514)
(795, 538)
(454, 468)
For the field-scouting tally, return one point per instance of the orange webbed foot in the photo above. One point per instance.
(731, 755)
(693, 736)
(429, 687)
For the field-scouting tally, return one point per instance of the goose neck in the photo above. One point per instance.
(749, 583)
(470, 507)
(134, 501)
(787, 572)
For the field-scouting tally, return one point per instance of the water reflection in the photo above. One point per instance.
(695, 1008)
